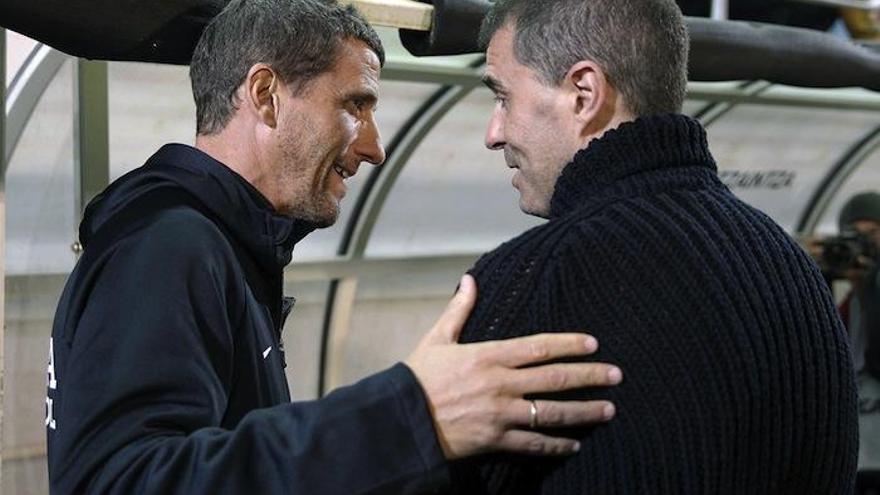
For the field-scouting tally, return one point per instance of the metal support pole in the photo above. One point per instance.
(835, 179)
(853, 4)
(2, 231)
(91, 128)
(26, 89)
(720, 11)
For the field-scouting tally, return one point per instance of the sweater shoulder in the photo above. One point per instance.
(702, 236)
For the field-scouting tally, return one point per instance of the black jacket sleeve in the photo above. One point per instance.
(141, 380)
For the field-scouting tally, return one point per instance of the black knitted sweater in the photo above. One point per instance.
(737, 373)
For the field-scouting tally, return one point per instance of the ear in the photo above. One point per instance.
(592, 92)
(261, 93)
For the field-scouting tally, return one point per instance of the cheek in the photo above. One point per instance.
(535, 132)
(351, 131)
(345, 127)
(546, 163)
(333, 140)
(357, 132)
(333, 128)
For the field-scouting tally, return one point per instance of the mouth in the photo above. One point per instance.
(343, 172)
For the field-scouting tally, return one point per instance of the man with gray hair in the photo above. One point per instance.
(739, 375)
(166, 371)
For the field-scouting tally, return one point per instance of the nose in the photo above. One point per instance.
(495, 131)
(368, 145)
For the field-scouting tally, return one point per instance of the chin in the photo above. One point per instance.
(324, 222)
(328, 215)
(542, 211)
(322, 219)
(319, 217)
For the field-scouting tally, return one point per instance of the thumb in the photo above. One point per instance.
(448, 327)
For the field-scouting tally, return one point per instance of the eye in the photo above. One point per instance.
(500, 100)
(355, 106)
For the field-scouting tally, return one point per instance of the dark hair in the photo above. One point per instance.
(862, 206)
(642, 45)
(298, 38)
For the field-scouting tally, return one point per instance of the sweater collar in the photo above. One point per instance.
(648, 143)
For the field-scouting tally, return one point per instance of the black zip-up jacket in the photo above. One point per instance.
(167, 372)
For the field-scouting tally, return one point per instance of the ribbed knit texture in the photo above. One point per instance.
(737, 372)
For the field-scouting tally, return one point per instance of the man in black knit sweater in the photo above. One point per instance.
(739, 375)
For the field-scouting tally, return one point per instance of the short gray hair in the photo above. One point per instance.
(642, 45)
(298, 38)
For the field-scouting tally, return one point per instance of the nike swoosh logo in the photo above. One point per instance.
(267, 351)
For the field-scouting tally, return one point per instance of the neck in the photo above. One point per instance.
(663, 142)
(610, 117)
(235, 149)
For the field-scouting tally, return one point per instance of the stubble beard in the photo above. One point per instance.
(318, 207)
(310, 200)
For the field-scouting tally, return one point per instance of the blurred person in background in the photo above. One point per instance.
(853, 255)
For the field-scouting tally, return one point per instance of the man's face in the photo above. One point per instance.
(324, 133)
(869, 228)
(532, 122)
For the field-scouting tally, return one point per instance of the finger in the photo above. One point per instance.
(561, 414)
(448, 327)
(530, 442)
(539, 348)
(562, 376)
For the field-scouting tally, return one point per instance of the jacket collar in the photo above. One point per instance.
(230, 199)
(235, 202)
(649, 143)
